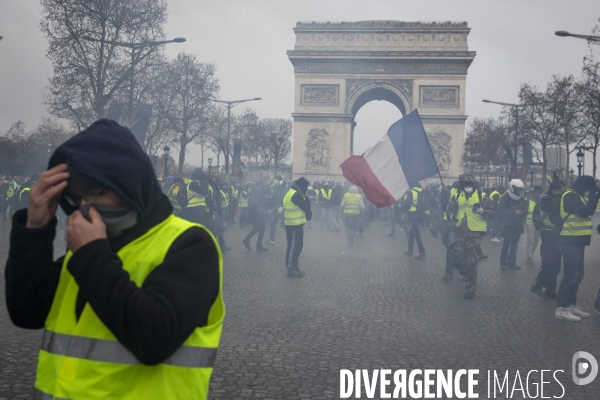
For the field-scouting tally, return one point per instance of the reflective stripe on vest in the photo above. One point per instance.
(81, 358)
(475, 222)
(22, 191)
(234, 193)
(114, 352)
(352, 203)
(574, 225)
(194, 199)
(529, 220)
(293, 215)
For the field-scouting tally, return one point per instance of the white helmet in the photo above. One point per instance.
(515, 184)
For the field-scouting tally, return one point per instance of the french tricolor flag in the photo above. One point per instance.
(400, 159)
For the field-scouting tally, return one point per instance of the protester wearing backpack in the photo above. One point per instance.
(415, 206)
(544, 214)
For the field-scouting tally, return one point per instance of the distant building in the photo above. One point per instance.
(557, 157)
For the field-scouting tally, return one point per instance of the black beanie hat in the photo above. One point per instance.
(302, 183)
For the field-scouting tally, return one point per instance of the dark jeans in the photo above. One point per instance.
(351, 227)
(572, 274)
(511, 235)
(233, 206)
(260, 229)
(295, 242)
(274, 216)
(415, 234)
(243, 216)
(550, 253)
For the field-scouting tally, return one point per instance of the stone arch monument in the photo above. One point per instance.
(339, 67)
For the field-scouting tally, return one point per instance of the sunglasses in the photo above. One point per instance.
(93, 196)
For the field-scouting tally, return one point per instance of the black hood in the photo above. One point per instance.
(302, 183)
(583, 184)
(109, 154)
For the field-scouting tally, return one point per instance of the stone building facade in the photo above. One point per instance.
(339, 67)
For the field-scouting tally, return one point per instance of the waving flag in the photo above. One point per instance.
(400, 159)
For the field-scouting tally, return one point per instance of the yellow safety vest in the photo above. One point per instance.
(549, 225)
(82, 359)
(211, 193)
(325, 194)
(293, 215)
(529, 219)
(415, 197)
(244, 201)
(574, 225)
(234, 193)
(225, 202)
(352, 204)
(12, 188)
(317, 196)
(494, 193)
(194, 199)
(172, 195)
(475, 222)
(23, 191)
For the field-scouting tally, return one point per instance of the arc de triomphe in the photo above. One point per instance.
(339, 67)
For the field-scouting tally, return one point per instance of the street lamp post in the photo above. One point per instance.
(166, 150)
(134, 47)
(513, 172)
(580, 157)
(209, 164)
(230, 104)
(572, 175)
(589, 38)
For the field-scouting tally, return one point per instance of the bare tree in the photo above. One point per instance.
(276, 142)
(590, 96)
(190, 86)
(483, 145)
(540, 117)
(89, 73)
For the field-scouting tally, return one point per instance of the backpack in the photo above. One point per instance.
(422, 202)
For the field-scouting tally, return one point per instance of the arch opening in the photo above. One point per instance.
(371, 122)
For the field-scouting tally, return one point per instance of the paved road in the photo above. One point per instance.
(368, 307)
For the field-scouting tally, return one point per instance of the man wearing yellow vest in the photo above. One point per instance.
(415, 218)
(177, 195)
(577, 205)
(234, 201)
(244, 195)
(134, 309)
(352, 206)
(197, 190)
(469, 210)
(296, 211)
(544, 213)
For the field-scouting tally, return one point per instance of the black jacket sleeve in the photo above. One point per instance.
(574, 205)
(200, 188)
(31, 276)
(304, 203)
(152, 321)
(406, 203)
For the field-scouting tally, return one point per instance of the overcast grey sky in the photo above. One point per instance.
(248, 40)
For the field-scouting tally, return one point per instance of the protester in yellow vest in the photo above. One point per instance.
(244, 195)
(469, 210)
(533, 235)
(577, 205)
(197, 191)
(26, 190)
(543, 214)
(296, 211)
(415, 217)
(352, 206)
(134, 309)
(177, 195)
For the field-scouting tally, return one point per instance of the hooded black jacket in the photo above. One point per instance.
(151, 321)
